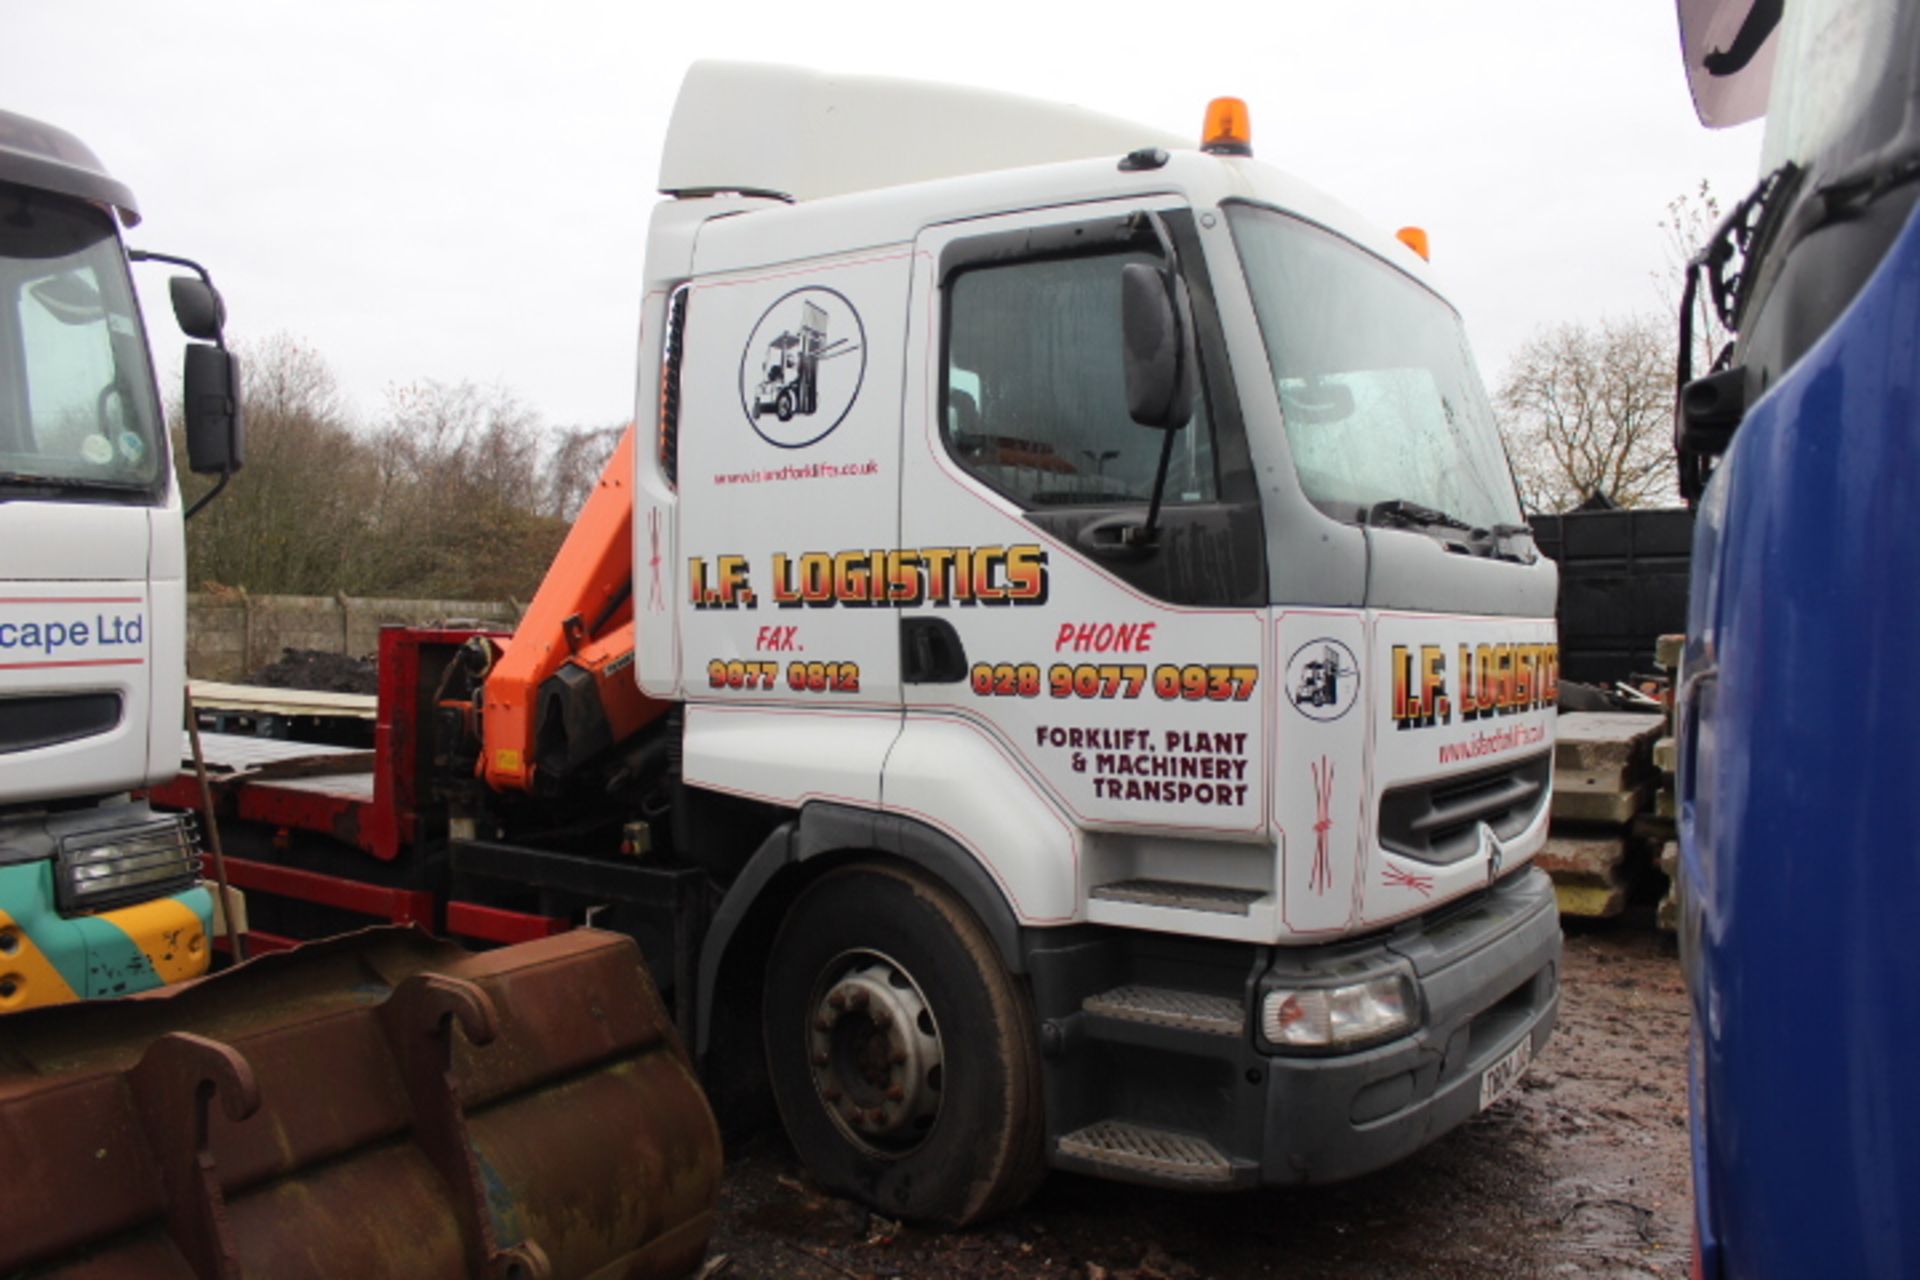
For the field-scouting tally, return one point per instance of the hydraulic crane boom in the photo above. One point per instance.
(562, 693)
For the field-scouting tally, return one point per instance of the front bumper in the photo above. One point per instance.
(1488, 978)
(51, 953)
(1487, 973)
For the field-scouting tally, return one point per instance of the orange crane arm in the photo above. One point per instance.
(564, 693)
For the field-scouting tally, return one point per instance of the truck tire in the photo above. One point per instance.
(901, 1052)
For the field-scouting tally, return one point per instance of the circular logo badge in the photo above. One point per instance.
(803, 366)
(1323, 679)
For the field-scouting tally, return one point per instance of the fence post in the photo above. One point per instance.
(246, 634)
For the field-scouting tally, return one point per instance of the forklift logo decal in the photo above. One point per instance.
(803, 366)
(1323, 679)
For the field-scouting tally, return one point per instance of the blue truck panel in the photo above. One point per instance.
(1800, 809)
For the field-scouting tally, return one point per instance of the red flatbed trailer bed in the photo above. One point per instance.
(332, 827)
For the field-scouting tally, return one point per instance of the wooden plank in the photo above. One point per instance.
(230, 753)
(216, 695)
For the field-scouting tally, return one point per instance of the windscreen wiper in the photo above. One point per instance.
(1488, 541)
(1411, 515)
(18, 484)
(15, 485)
(1501, 534)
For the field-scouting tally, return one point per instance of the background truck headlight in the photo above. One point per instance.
(115, 865)
(1341, 1017)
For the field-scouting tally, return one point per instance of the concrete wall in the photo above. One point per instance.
(231, 636)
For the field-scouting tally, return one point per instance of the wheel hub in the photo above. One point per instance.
(874, 1052)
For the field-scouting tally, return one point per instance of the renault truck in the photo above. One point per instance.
(1106, 725)
(100, 895)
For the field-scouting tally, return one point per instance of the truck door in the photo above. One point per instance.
(788, 504)
(1121, 683)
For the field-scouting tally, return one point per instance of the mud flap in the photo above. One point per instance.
(381, 1105)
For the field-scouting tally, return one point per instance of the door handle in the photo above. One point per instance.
(931, 652)
(1113, 537)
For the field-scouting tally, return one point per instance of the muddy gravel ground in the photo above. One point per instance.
(1581, 1171)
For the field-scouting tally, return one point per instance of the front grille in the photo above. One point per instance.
(1438, 822)
(113, 866)
(37, 720)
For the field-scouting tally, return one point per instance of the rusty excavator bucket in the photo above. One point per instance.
(381, 1106)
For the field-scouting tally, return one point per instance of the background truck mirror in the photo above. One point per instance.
(214, 426)
(197, 308)
(1158, 394)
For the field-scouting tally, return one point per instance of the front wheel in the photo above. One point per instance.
(901, 1051)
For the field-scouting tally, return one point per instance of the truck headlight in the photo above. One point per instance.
(1341, 1017)
(109, 866)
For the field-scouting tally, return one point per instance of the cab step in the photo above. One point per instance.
(1120, 1147)
(1162, 1007)
(1180, 893)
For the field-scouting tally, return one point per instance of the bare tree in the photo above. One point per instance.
(463, 514)
(1689, 224)
(574, 467)
(1588, 409)
(295, 520)
(456, 492)
(466, 441)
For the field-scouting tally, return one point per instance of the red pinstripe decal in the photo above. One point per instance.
(72, 600)
(78, 662)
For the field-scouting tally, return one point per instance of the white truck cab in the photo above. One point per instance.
(1141, 572)
(99, 895)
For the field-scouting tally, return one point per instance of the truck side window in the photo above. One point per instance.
(1035, 392)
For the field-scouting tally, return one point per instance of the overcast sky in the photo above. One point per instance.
(460, 190)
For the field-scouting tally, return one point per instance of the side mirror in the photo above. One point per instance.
(1711, 409)
(197, 307)
(1158, 394)
(215, 430)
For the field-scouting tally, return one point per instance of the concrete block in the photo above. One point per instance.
(1667, 915)
(1607, 808)
(1595, 901)
(1600, 741)
(1653, 828)
(1664, 804)
(1599, 780)
(1665, 755)
(1592, 858)
(1667, 651)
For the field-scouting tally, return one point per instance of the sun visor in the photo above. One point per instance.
(803, 135)
(1729, 49)
(36, 154)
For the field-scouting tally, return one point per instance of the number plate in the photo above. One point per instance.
(1504, 1074)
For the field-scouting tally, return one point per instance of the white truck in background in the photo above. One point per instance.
(99, 894)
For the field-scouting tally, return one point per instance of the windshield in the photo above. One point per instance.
(77, 408)
(1834, 58)
(1378, 390)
